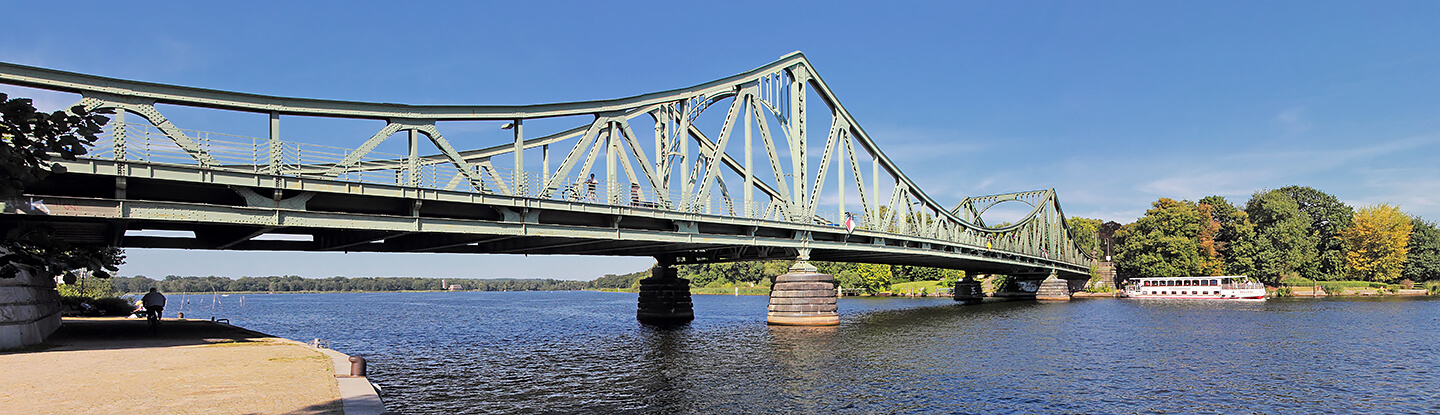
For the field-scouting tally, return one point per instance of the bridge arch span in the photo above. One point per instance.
(649, 175)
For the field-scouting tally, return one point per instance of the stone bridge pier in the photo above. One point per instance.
(664, 297)
(803, 297)
(1054, 289)
(969, 291)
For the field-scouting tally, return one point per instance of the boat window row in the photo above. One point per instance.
(1182, 283)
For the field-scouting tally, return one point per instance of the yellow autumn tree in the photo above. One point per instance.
(1210, 261)
(1377, 242)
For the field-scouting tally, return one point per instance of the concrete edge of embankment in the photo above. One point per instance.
(357, 395)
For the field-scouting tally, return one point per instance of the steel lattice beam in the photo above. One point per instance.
(771, 99)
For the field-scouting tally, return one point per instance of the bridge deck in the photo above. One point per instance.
(83, 208)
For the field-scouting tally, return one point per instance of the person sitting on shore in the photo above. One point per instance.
(154, 302)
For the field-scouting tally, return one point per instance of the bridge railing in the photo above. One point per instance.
(149, 144)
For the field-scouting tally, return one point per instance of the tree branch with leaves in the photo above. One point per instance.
(29, 142)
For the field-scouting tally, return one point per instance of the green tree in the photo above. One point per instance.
(1235, 237)
(909, 273)
(1085, 232)
(730, 273)
(1422, 259)
(1282, 245)
(874, 278)
(1328, 217)
(915, 273)
(1376, 243)
(90, 287)
(619, 281)
(1210, 262)
(1165, 242)
(28, 141)
(951, 277)
(849, 279)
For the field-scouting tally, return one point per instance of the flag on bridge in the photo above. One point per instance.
(849, 224)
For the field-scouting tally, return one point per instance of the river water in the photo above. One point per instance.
(583, 352)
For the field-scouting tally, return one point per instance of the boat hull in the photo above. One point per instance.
(1194, 297)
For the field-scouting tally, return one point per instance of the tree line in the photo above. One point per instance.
(1293, 231)
(1290, 232)
(867, 277)
(293, 283)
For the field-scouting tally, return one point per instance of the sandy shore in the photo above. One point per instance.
(114, 365)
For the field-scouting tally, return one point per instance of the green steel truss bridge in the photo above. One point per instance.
(729, 170)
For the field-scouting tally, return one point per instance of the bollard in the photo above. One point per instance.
(357, 366)
(180, 316)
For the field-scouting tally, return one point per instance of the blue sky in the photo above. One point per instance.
(1113, 104)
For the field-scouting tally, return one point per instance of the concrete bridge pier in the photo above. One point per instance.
(1053, 289)
(969, 291)
(664, 297)
(803, 297)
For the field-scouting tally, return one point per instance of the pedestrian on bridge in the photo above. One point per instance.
(590, 188)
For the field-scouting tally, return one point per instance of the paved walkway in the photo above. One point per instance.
(113, 365)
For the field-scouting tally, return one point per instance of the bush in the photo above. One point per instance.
(1297, 280)
(1432, 287)
(1100, 288)
(114, 306)
(1334, 288)
(99, 307)
(1355, 284)
(1003, 283)
(1283, 292)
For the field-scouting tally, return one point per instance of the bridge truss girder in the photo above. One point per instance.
(675, 191)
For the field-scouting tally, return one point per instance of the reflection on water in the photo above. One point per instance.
(583, 352)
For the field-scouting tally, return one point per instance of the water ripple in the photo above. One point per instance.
(583, 352)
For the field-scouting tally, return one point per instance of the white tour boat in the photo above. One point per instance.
(1196, 288)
